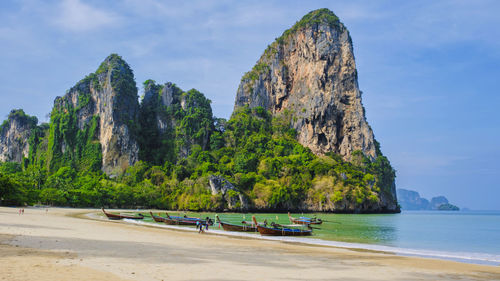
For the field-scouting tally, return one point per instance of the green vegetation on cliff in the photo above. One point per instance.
(158, 147)
(19, 115)
(186, 121)
(448, 207)
(180, 147)
(312, 18)
(81, 150)
(253, 150)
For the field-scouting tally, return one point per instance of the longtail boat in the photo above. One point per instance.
(157, 218)
(235, 227)
(187, 220)
(180, 221)
(171, 221)
(120, 216)
(277, 230)
(304, 220)
(183, 218)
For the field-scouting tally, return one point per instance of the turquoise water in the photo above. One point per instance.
(471, 236)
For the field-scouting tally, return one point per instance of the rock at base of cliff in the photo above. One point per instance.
(233, 198)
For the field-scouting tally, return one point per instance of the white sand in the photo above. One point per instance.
(63, 245)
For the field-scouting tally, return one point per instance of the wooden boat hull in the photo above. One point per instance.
(268, 231)
(189, 219)
(240, 228)
(298, 221)
(119, 217)
(171, 221)
(111, 217)
(305, 220)
(157, 218)
(178, 222)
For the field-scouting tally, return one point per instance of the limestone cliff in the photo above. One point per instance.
(174, 121)
(15, 133)
(310, 72)
(234, 199)
(95, 122)
(309, 76)
(157, 99)
(411, 200)
(306, 79)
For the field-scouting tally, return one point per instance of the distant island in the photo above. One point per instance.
(411, 200)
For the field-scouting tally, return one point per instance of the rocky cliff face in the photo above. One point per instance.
(157, 122)
(310, 72)
(232, 197)
(174, 121)
(411, 200)
(158, 98)
(14, 136)
(309, 76)
(438, 201)
(98, 116)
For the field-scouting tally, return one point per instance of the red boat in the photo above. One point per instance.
(235, 227)
(304, 220)
(279, 230)
(120, 216)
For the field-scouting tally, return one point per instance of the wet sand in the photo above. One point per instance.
(63, 244)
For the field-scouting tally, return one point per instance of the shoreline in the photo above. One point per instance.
(60, 241)
(463, 257)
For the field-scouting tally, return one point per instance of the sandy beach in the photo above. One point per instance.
(64, 244)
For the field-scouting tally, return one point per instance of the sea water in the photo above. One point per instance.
(469, 236)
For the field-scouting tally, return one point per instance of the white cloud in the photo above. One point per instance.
(73, 15)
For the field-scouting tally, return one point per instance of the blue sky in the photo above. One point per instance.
(429, 70)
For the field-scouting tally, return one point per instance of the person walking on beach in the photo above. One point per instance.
(22, 212)
(199, 226)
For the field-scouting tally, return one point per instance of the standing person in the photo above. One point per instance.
(199, 226)
(23, 211)
(19, 211)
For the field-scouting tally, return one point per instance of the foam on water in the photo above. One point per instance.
(477, 258)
